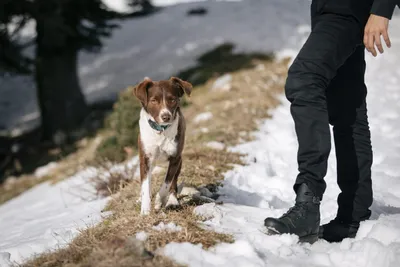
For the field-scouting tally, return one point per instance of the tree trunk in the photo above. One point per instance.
(62, 104)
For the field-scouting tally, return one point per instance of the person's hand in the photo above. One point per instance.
(376, 26)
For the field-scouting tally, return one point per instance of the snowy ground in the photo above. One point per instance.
(161, 45)
(48, 216)
(264, 188)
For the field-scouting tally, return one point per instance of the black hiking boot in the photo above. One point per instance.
(302, 220)
(337, 230)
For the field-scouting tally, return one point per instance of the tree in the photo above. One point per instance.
(63, 28)
(11, 56)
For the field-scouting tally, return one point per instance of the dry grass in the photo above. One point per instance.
(235, 114)
(113, 240)
(109, 182)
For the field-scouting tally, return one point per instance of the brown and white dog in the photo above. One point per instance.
(162, 137)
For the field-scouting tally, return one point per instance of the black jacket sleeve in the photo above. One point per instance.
(384, 8)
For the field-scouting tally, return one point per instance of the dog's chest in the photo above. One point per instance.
(159, 145)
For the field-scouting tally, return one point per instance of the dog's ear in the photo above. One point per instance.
(140, 91)
(185, 87)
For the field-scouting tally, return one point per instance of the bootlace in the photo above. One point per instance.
(297, 210)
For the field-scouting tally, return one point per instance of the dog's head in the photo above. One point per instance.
(161, 99)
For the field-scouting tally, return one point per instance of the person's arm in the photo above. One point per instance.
(384, 8)
(378, 24)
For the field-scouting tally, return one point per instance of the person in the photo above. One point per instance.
(325, 85)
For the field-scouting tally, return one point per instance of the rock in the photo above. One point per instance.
(205, 192)
(137, 247)
(188, 191)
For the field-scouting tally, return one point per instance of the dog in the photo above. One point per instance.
(161, 136)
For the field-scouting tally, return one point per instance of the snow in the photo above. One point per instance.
(122, 5)
(223, 83)
(175, 2)
(45, 170)
(205, 116)
(142, 236)
(215, 145)
(169, 227)
(50, 215)
(263, 188)
(5, 259)
(161, 45)
(118, 5)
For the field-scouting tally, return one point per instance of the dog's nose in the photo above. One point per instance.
(166, 117)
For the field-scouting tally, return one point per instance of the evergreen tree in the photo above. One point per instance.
(11, 56)
(63, 28)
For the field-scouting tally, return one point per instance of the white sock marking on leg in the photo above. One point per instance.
(145, 196)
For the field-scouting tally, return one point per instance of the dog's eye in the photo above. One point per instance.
(154, 101)
(172, 100)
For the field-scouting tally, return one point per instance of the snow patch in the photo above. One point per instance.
(223, 83)
(205, 116)
(118, 5)
(50, 215)
(45, 170)
(215, 145)
(142, 236)
(263, 188)
(5, 259)
(170, 227)
(204, 130)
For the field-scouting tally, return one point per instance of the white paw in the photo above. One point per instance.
(172, 202)
(145, 212)
(158, 202)
(145, 206)
(145, 197)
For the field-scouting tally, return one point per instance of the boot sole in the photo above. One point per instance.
(309, 239)
(304, 239)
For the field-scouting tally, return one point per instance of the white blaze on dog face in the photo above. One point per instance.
(163, 103)
(161, 99)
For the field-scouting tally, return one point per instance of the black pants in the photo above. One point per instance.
(325, 85)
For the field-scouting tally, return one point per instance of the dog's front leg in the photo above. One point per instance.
(167, 196)
(146, 166)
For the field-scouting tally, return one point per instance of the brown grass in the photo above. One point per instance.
(111, 240)
(235, 114)
(110, 182)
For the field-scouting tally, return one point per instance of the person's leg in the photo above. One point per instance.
(333, 40)
(346, 98)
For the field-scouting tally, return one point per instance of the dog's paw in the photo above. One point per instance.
(158, 203)
(172, 202)
(145, 212)
(145, 206)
